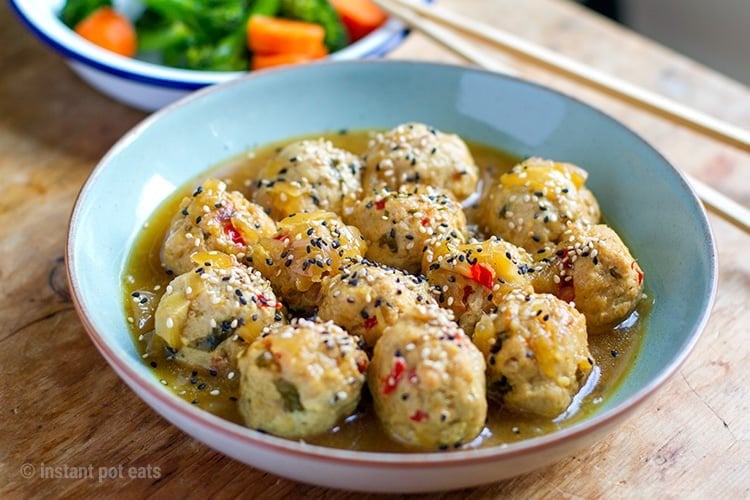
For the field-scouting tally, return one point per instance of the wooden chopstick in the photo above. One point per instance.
(453, 42)
(723, 206)
(527, 51)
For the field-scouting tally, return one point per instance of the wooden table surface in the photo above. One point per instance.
(61, 404)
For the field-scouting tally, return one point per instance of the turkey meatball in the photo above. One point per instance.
(537, 353)
(307, 176)
(299, 380)
(307, 248)
(593, 268)
(416, 153)
(366, 298)
(206, 311)
(213, 219)
(397, 224)
(472, 278)
(427, 382)
(531, 205)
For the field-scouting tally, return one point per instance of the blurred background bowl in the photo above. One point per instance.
(148, 86)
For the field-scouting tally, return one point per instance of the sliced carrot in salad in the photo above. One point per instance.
(268, 35)
(110, 30)
(361, 17)
(263, 61)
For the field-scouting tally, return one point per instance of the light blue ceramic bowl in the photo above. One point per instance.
(640, 193)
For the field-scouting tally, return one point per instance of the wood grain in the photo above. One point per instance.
(62, 405)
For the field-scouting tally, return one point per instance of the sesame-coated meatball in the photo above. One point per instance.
(213, 219)
(427, 382)
(416, 153)
(397, 224)
(307, 176)
(217, 301)
(531, 205)
(473, 278)
(537, 353)
(366, 298)
(307, 248)
(593, 268)
(299, 380)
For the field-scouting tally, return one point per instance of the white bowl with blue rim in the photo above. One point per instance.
(640, 194)
(145, 85)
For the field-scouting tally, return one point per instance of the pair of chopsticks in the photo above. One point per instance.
(426, 18)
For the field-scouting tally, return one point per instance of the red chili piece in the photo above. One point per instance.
(419, 416)
(635, 268)
(397, 372)
(362, 365)
(481, 275)
(371, 322)
(264, 302)
(233, 234)
(280, 237)
(380, 204)
(425, 221)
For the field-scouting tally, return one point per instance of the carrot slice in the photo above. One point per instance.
(110, 30)
(268, 35)
(262, 61)
(361, 17)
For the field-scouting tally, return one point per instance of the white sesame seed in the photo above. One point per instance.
(215, 392)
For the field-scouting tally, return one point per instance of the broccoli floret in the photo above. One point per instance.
(270, 8)
(319, 12)
(76, 11)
